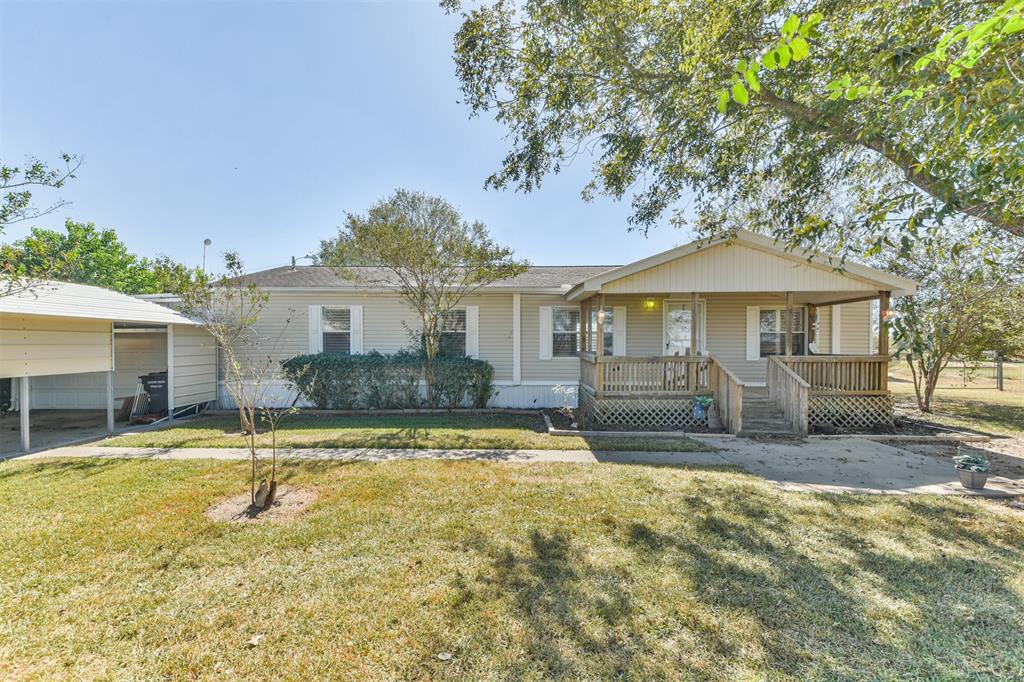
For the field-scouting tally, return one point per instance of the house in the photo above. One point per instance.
(68, 351)
(782, 336)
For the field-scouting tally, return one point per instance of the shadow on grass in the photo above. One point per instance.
(757, 588)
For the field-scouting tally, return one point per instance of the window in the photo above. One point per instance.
(453, 334)
(337, 330)
(565, 332)
(609, 331)
(773, 331)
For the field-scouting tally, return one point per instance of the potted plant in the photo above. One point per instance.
(973, 470)
(702, 406)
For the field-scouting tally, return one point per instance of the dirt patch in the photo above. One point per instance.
(290, 504)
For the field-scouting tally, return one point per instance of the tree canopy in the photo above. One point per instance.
(969, 302)
(423, 246)
(867, 119)
(86, 255)
(17, 183)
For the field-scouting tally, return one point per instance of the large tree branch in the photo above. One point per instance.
(932, 185)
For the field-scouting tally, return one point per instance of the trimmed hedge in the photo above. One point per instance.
(377, 381)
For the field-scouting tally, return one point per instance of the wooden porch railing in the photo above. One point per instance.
(847, 374)
(727, 391)
(657, 375)
(789, 391)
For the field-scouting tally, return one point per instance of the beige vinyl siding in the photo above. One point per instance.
(737, 268)
(824, 329)
(283, 326)
(32, 345)
(725, 327)
(135, 354)
(855, 328)
(195, 366)
(554, 370)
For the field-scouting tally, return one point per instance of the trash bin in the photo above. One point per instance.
(155, 384)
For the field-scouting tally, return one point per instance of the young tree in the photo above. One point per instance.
(421, 246)
(963, 289)
(229, 309)
(857, 117)
(86, 255)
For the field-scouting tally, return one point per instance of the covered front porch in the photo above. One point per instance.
(773, 367)
(779, 340)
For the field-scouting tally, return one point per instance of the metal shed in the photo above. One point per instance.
(68, 346)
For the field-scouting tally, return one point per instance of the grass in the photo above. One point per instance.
(978, 406)
(111, 570)
(467, 431)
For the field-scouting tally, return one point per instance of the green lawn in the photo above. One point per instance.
(977, 407)
(110, 570)
(505, 431)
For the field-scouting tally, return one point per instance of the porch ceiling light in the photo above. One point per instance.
(649, 304)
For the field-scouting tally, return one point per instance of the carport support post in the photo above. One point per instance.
(170, 372)
(110, 401)
(23, 410)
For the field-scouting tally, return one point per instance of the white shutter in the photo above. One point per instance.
(473, 331)
(753, 332)
(619, 330)
(356, 321)
(835, 330)
(316, 338)
(545, 332)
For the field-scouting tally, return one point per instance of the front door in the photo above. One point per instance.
(678, 321)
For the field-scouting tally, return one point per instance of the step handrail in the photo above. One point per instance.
(727, 390)
(789, 391)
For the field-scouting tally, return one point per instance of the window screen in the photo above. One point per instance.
(453, 334)
(337, 330)
(565, 332)
(772, 323)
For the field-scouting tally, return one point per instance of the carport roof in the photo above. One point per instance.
(63, 299)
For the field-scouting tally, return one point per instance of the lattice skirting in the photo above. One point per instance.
(640, 414)
(850, 411)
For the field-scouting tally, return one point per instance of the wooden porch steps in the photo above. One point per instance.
(762, 418)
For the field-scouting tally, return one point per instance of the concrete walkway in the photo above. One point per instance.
(852, 465)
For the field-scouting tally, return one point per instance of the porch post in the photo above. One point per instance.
(812, 331)
(883, 338)
(693, 323)
(599, 369)
(789, 323)
(883, 324)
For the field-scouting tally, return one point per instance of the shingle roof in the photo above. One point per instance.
(315, 276)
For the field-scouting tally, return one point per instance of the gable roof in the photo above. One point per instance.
(64, 299)
(547, 277)
(879, 279)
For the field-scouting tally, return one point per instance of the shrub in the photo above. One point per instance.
(377, 381)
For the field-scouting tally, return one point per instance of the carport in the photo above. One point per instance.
(68, 350)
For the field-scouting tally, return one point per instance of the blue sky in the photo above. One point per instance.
(259, 124)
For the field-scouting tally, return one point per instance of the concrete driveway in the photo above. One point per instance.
(852, 465)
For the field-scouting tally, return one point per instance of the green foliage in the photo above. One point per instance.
(422, 248)
(972, 462)
(86, 255)
(18, 182)
(966, 284)
(377, 381)
(799, 124)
